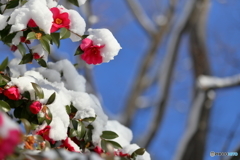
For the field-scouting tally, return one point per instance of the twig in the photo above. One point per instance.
(232, 133)
(142, 79)
(167, 71)
(141, 17)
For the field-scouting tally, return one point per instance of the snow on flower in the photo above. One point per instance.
(45, 134)
(9, 134)
(40, 51)
(36, 10)
(77, 25)
(70, 145)
(80, 99)
(100, 46)
(60, 19)
(133, 147)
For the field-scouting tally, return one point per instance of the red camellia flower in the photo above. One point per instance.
(8, 144)
(60, 20)
(12, 93)
(23, 39)
(31, 23)
(98, 150)
(36, 56)
(66, 144)
(91, 53)
(14, 48)
(35, 107)
(45, 134)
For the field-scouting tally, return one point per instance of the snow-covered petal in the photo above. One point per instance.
(103, 37)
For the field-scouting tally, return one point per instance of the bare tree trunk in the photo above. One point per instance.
(166, 72)
(192, 145)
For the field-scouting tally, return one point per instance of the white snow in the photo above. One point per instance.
(81, 2)
(133, 147)
(41, 52)
(77, 25)
(124, 133)
(33, 9)
(105, 37)
(84, 113)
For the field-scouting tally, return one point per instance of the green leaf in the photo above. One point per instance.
(42, 62)
(68, 109)
(114, 144)
(31, 35)
(56, 38)
(21, 49)
(81, 130)
(73, 109)
(72, 132)
(9, 37)
(47, 37)
(12, 4)
(51, 99)
(27, 125)
(38, 90)
(48, 116)
(140, 151)
(78, 51)
(27, 58)
(64, 33)
(3, 82)
(109, 135)
(4, 106)
(89, 119)
(4, 64)
(104, 145)
(84, 36)
(26, 94)
(45, 44)
(40, 118)
(74, 2)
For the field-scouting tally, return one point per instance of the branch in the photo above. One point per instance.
(188, 148)
(166, 71)
(209, 82)
(141, 81)
(192, 145)
(141, 17)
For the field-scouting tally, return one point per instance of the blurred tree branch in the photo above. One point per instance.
(141, 17)
(192, 145)
(141, 81)
(166, 72)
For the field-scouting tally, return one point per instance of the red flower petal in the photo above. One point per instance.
(86, 43)
(55, 11)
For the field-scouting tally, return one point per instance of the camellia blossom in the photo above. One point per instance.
(70, 145)
(10, 136)
(92, 53)
(100, 46)
(60, 20)
(31, 23)
(12, 93)
(45, 134)
(35, 107)
(36, 56)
